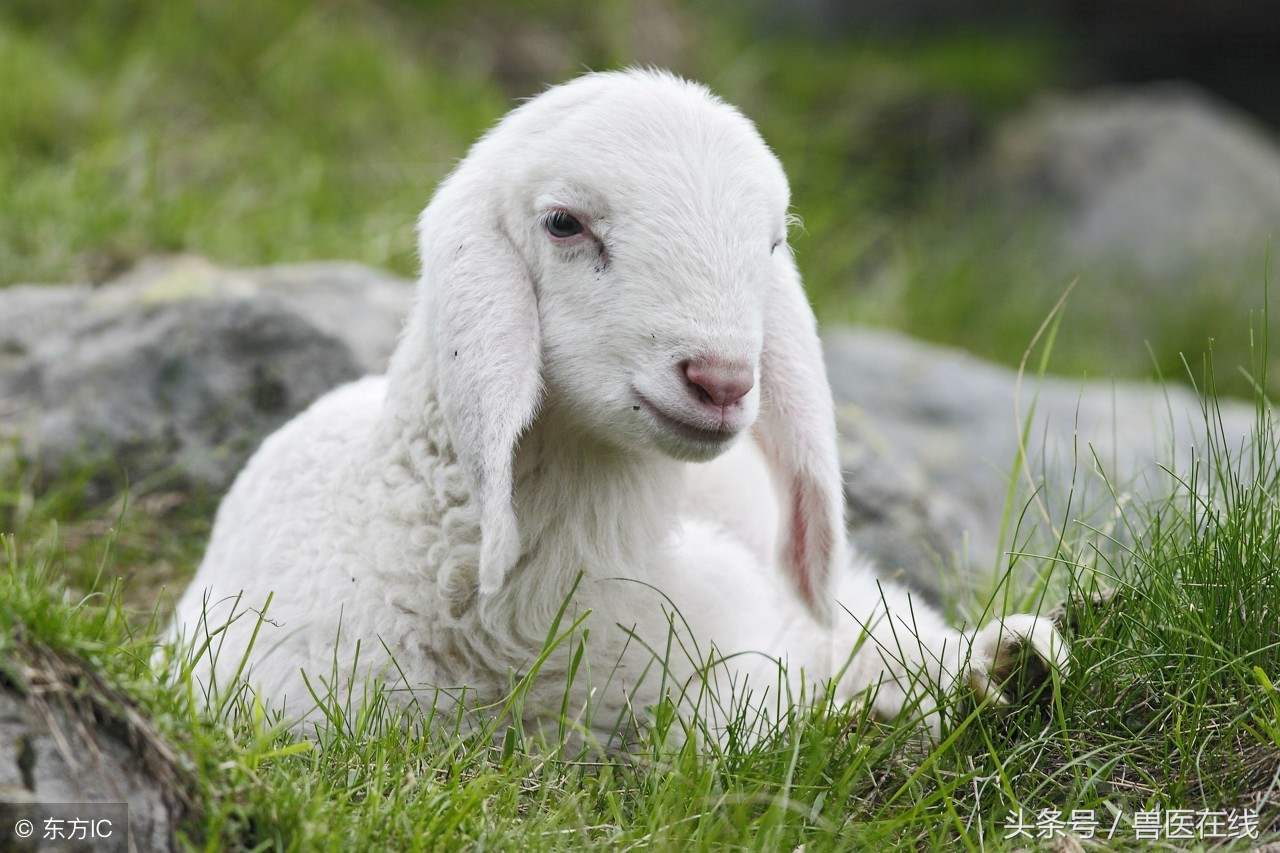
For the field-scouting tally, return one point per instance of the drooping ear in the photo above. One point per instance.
(796, 429)
(488, 354)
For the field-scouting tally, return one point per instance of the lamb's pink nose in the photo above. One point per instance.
(718, 382)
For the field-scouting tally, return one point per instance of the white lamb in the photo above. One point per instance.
(609, 398)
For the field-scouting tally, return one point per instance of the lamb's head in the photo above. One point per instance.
(614, 255)
(647, 214)
(664, 270)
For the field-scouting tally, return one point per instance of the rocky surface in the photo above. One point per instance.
(932, 438)
(1153, 207)
(182, 368)
(1158, 178)
(67, 738)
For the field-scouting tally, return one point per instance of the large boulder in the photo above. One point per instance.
(1159, 204)
(943, 452)
(184, 367)
(1157, 178)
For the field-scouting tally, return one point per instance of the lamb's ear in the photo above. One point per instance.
(796, 429)
(489, 357)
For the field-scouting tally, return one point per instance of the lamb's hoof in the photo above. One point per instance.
(1012, 659)
(1069, 613)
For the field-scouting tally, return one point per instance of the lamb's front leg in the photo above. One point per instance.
(903, 651)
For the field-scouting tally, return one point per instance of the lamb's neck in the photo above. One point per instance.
(585, 506)
(586, 513)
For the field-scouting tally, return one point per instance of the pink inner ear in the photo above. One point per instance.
(799, 545)
(810, 546)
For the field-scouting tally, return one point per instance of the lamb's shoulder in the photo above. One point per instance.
(268, 572)
(298, 493)
(349, 521)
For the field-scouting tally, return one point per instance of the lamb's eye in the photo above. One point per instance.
(562, 224)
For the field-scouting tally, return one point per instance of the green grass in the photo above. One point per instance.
(982, 282)
(250, 132)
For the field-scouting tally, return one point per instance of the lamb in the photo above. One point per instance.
(609, 410)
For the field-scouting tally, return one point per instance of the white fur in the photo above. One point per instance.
(521, 449)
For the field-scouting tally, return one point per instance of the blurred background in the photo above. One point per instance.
(957, 164)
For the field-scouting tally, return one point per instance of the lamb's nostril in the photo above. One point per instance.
(717, 382)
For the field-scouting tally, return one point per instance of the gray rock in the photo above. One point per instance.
(68, 738)
(932, 440)
(182, 367)
(1161, 179)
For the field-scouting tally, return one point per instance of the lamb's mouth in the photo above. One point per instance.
(690, 432)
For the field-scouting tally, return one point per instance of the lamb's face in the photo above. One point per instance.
(652, 249)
